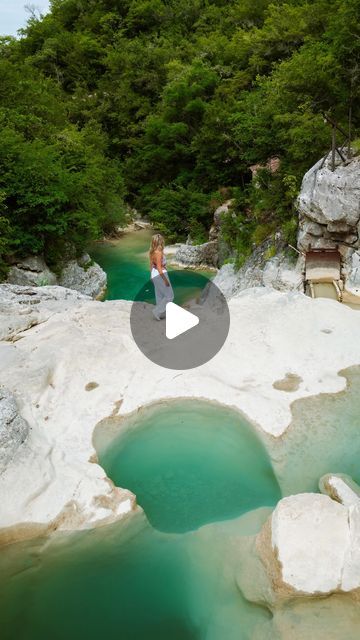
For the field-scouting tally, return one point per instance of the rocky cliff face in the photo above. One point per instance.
(329, 212)
(82, 275)
(31, 271)
(279, 272)
(329, 206)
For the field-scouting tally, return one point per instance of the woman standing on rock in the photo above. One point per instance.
(159, 276)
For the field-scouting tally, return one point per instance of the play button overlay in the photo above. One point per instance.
(178, 320)
(194, 325)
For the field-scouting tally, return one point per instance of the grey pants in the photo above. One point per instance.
(163, 294)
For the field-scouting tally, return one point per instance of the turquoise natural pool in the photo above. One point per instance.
(133, 581)
(126, 264)
(190, 463)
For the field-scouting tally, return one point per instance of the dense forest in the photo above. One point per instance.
(163, 105)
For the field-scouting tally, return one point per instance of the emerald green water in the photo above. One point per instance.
(324, 437)
(129, 582)
(132, 581)
(190, 463)
(126, 263)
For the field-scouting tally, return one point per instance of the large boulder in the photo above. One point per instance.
(198, 255)
(313, 547)
(329, 205)
(340, 487)
(13, 428)
(84, 276)
(31, 271)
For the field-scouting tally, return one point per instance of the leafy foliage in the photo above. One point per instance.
(163, 103)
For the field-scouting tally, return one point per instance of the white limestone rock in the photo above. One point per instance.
(315, 541)
(135, 224)
(330, 200)
(197, 255)
(206, 254)
(84, 276)
(332, 196)
(24, 307)
(80, 365)
(227, 281)
(170, 250)
(13, 428)
(277, 273)
(31, 271)
(340, 487)
(280, 274)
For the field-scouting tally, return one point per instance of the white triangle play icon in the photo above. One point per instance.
(178, 320)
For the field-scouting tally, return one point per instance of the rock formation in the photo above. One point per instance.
(206, 254)
(24, 307)
(82, 275)
(31, 271)
(329, 206)
(13, 428)
(197, 255)
(135, 224)
(351, 272)
(215, 228)
(329, 213)
(340, 487)
(279, 272)
(310, 546)
(70, 362)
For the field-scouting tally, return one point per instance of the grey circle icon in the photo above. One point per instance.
(192, 328)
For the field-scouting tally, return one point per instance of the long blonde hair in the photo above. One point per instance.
(157, 244)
